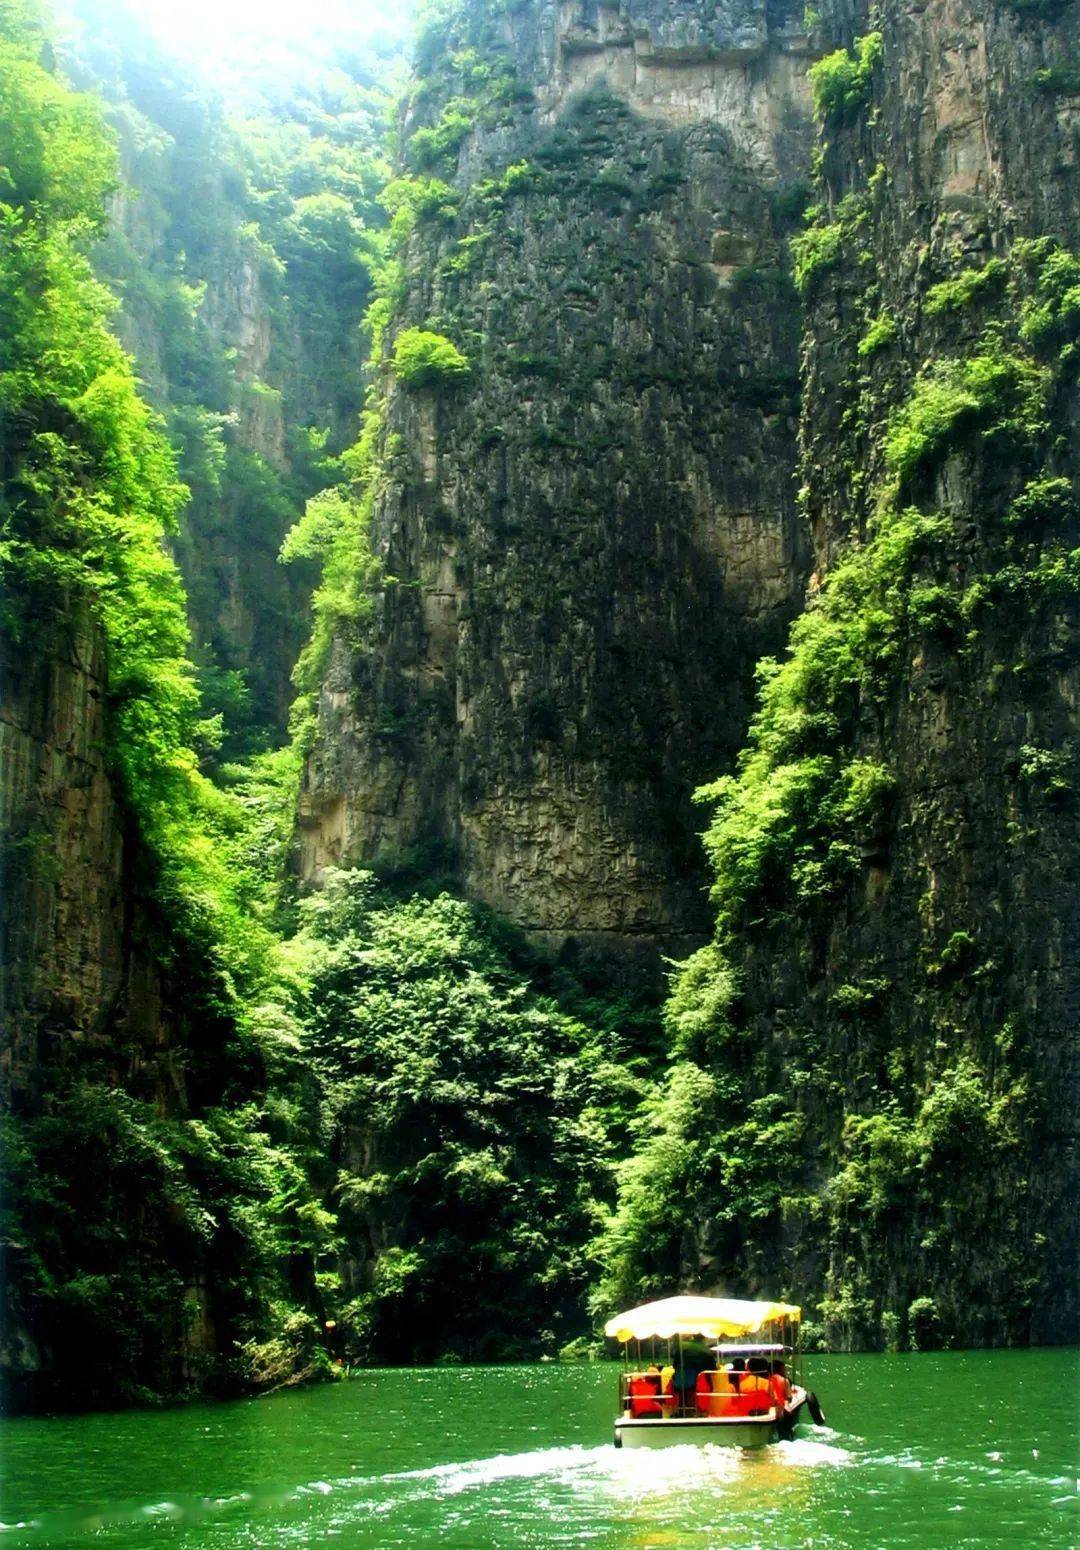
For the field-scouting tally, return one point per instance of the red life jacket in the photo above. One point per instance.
(643, 1389)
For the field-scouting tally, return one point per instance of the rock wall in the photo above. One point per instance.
(76, 961)
(912, 1028)
(589, 543)
(81, 980)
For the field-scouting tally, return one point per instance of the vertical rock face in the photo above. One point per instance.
(589, 541)
(80, 985)
(972, 912)
(200, 297)
(76, 963)
(919, 1019)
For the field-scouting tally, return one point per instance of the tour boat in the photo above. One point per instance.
(747, 1391)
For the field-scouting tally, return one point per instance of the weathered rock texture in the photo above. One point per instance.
(592, 539)
(590, 542)
(76, 963)
(936, 1000)
(83, 989)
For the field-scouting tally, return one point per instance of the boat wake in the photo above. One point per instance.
(566, 1472)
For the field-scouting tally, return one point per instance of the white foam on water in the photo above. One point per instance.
(450, 1479)
(806, 1452)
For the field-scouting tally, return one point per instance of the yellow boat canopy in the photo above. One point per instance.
(713, 1318)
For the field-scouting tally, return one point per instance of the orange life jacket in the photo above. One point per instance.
(755, 1396)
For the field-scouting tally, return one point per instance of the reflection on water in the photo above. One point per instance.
(505, 1458)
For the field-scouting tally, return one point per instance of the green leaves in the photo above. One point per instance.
(424, 359)
(57, 163)
(841, 81)
(994, 388)
(476, 1117)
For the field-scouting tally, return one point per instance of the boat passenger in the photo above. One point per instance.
(694, 1362)
(667, 1389)
(703, 1393)
(780, 1383)
(724, 1393)
(755, 1393)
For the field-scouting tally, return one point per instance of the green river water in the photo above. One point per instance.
(957, 1450)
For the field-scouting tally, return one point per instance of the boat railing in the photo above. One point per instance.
(680, 1399)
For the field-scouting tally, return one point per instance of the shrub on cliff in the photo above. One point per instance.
(993, 390)
(841, 81)
(425, 359)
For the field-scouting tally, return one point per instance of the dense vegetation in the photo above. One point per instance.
(381, 1112)
(115, 1188)
(241, 246)
(475, 1118)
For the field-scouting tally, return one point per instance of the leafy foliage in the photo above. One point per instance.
(475, 1122)
(965, 288)
(881, 333)
(823, 244)
(333, 531)
(426, 359)
(120, 1190)
(841, 81)
(994, 388)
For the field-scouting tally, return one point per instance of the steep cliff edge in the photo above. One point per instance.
(81, 998)
(589, 538)
(877, 1087)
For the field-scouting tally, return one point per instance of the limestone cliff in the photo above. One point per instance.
(589, 542)
(590, 537)
(76, 961)
(83, 997)
(960, 168)
(877, 1085)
